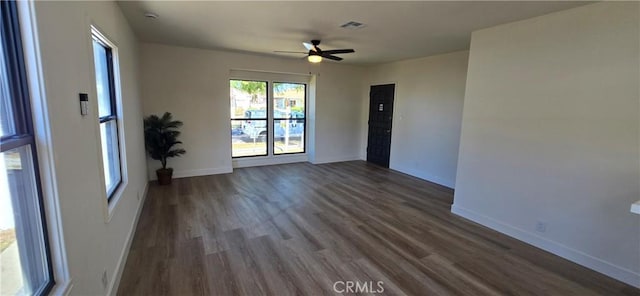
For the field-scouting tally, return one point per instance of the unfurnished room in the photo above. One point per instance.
(319, 148)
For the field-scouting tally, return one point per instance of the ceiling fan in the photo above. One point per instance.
(316, 54)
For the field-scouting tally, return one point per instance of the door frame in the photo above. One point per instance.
(270, 77)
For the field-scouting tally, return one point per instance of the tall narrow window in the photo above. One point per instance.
(289, 117)
(24, 248)
(107, 112)
(249, 126)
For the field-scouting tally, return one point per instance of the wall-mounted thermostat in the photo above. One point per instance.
(84, 104)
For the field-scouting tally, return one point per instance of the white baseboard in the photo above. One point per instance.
(261, 161)
(620, 273)
(336, 159)
(194, 173)
(115, 283)
(202, 172)
(422, 175)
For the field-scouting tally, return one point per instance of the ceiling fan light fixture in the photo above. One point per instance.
(314, 58)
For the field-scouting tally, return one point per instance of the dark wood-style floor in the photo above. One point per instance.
(299, 228)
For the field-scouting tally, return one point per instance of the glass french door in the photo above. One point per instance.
(267, 118)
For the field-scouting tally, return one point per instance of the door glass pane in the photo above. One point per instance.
(288, 136)
(289, 117)
(248, 102)
(6, 113)
(22, 249)
(248, 99)
(110, 155)
(288, 100)
(102, 79)
(248, 137)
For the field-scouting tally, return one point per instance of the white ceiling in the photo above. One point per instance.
(394, 30)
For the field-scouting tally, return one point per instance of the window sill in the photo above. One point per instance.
(62, 289)
(115, 199)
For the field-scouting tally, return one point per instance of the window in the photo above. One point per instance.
(249, 123)
(107, 112)
(24, 247)
(288, 117)
(255, 122)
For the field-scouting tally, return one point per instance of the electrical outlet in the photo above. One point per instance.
(541, 226)
(104, 279)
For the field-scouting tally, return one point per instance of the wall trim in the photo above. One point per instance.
(424, 176)
(202, 172)
(195, 173)
(124, 254)
(320, 160)
(269, 160)
(620, 273)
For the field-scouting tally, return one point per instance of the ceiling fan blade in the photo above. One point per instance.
(337, 51)
(331, 57)
(286, 51)
(309, 46)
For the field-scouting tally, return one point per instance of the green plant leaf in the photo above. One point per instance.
(161, 135)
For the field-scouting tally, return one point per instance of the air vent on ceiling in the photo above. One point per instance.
(353, 25)
(150, 15)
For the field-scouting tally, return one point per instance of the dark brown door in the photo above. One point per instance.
(380, 118)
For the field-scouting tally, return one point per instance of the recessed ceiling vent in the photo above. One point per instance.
(353, 25)
(150, 15)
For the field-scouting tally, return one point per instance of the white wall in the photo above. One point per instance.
(427, 114)
(92, 244)
(193, 84)
(550, 133)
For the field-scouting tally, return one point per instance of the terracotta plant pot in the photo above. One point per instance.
(164, 176)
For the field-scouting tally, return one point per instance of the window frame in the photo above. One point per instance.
(304, 132)
(114, 115)
(24, 132)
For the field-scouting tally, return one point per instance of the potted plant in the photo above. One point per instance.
(160, 137)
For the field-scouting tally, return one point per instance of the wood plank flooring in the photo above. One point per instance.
(296, 229)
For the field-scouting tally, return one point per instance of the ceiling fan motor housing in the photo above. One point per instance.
(314, 50)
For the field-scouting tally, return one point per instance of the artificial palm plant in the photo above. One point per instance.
(160, 138)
